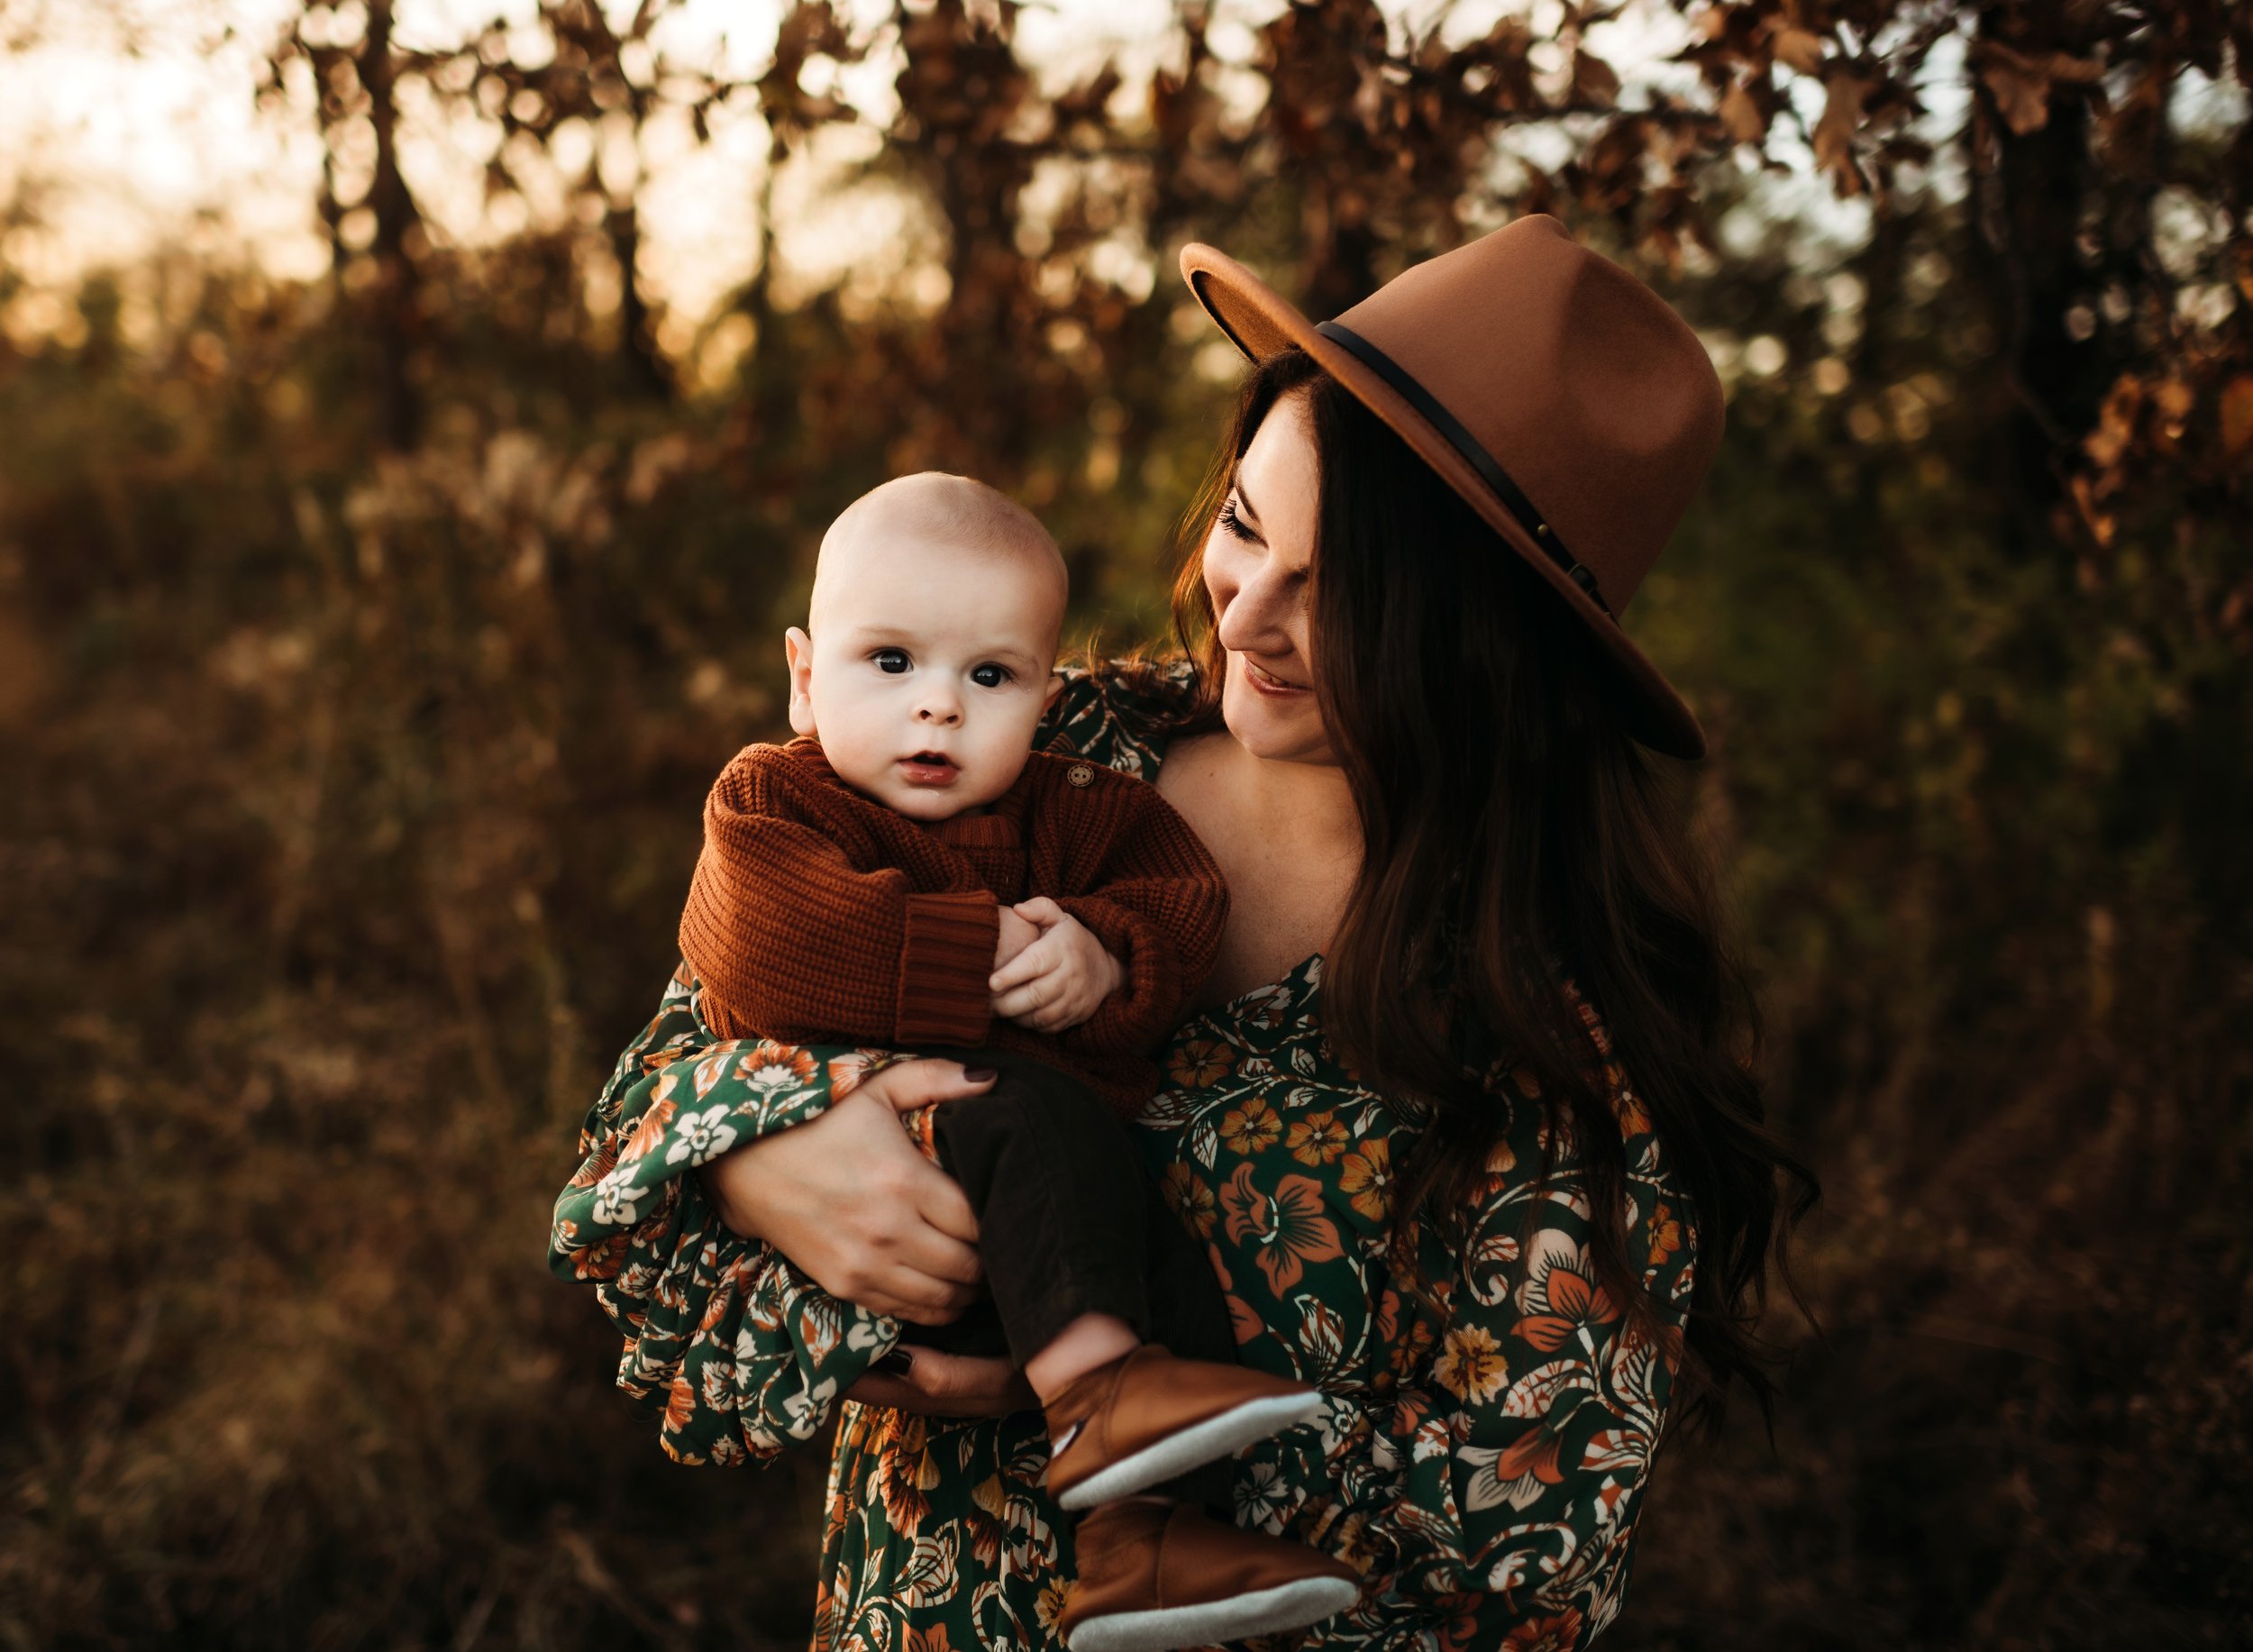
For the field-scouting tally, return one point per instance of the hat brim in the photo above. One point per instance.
(1260, 322)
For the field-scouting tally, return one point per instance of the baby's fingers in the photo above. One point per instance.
(1040, 910)
(1020, 1003)
(1033, 961)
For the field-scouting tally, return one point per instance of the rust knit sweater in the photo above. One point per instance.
(818, 915)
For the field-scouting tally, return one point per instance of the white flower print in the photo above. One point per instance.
(699, 1138)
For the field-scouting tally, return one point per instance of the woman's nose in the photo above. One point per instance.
(1253, 617)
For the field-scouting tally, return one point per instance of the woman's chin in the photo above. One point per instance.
(1276, 729)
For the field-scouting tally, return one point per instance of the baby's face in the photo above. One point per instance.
(929, 667)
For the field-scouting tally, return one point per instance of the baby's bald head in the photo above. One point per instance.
(937, 608)
(918, 521)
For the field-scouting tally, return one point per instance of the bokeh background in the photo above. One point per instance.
(415, 424)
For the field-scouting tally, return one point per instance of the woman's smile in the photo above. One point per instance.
(1268, 683)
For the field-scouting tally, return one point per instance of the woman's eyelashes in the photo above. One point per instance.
(1232, 521)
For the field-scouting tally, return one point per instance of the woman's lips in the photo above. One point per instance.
(928, 769)
(1267, 683)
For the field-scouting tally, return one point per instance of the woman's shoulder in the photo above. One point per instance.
(1118, 713)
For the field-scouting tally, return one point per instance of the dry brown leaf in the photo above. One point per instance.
(1797, 49)
(1834, 133)
(1594, 81)
(1741, 117)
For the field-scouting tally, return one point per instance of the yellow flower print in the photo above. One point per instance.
(1050, 1604)
(1470, 1365)
(1366, 1178)
(1317, 1138)
(1251, 1128)
(1189, 1197)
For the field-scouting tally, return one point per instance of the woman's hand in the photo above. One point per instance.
(848, 1198)
(945, 1386)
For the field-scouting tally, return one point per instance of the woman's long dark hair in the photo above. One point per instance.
(1512, 828)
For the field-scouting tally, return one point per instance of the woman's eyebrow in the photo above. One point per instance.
(1245, 507)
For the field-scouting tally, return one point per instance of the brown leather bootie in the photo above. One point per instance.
(1154, 1577)
(1146, 1417)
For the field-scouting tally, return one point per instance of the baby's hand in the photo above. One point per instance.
(1015, 934)
(1061, 979)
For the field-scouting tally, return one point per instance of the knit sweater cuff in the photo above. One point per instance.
(945, 963)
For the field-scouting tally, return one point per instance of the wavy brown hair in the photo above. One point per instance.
(1513, 831)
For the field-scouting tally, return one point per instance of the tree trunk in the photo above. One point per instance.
(396, 295)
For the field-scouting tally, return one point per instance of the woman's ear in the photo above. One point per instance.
(797, 649)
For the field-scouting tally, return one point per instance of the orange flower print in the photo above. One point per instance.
(1249, 1128)
(1460, 1632)
(1189, 1197)
(1665, 1233)
(846, 1073)
(1625, 1107)
(1560, 1294)
(1288, 1226)
(1470, 1365)
(904, 1474)
(648, 1132)
(931, 1639)
(771, 1067)
(989, 1504)
(681, 1405)
(1366, 1178)
(1197, 1062)
(1317, 1138)
(1558, 1634)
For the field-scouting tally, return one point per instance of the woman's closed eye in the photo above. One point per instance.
(1232, 521)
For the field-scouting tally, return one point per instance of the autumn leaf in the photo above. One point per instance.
(1834, 133)
(1797, 49)
(1741, 116)
(2021, 84)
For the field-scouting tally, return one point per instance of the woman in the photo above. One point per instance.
(1466, 1119)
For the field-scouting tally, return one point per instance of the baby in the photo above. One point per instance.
(909, 874)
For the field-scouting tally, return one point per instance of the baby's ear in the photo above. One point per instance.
(1055, 687)
(797, 649)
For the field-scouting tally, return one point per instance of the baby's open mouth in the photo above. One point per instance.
(928, 769)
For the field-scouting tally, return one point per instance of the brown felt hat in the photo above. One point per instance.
(1553, 391)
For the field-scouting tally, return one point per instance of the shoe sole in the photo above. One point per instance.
(1263, 1611)
(1191, 1448)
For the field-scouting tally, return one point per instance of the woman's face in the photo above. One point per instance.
(1257, 561)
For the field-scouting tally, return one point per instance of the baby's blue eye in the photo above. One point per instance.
(989, 676)
(893, 661)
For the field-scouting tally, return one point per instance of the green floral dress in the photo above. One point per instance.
(1490, 1420)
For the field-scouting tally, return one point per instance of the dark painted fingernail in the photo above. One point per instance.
(899, 1363)
(979, 1075)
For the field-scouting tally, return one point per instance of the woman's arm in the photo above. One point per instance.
(1504, 1485)
(745, 1352)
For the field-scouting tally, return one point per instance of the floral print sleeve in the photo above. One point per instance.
(742, 1352)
